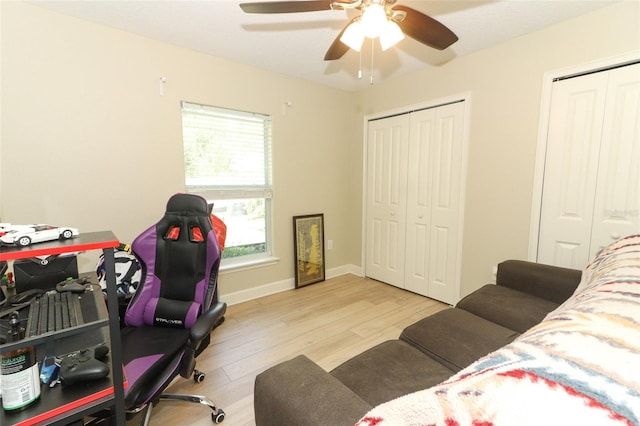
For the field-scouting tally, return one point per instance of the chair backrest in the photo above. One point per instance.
(180, 258)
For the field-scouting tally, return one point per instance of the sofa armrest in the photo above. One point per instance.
(299, 392)
(548, 282)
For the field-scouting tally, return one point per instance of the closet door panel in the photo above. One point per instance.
(419, 200)
(617, 199)
(573, 144)
(433, 201)
(446, 193)
(387, 151)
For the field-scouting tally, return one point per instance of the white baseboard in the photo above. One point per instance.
(236, 297)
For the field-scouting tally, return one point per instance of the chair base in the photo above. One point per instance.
(217, 415)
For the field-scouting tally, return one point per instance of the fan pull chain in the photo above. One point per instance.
(360, 66)
(371, 77)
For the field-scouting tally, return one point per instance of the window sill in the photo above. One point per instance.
(241, 265)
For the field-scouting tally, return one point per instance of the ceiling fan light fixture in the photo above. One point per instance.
(390, 35)
(373, 19)
(375, 14)
(353, 36)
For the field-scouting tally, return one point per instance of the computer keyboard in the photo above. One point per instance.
(53, 311)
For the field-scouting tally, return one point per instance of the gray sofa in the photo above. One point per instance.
(299, 392)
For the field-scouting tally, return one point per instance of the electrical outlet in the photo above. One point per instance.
(329, 244)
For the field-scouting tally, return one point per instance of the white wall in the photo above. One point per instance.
(88, 141)
(505, 82)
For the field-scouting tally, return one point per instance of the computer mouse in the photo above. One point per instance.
(24, 296)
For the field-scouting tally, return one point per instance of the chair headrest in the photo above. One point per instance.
(187, 204)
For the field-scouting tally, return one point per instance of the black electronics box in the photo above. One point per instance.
(43, 274)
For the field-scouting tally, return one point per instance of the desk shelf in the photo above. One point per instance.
(63, 405)
(102, 321)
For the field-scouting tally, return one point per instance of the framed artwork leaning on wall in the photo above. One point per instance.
(308, 239)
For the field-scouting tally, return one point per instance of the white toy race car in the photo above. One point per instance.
(24, 235)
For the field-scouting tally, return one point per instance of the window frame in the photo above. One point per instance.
(213, 193)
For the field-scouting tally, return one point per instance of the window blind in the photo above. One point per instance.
(227, 153)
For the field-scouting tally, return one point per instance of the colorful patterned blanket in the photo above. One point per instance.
(580, 366)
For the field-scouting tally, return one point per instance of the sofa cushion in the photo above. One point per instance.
(548, 282)
(297, 392)
(509, 308)
(390, 370)
(456, 338)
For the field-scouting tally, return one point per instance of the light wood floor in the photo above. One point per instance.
(329, 322)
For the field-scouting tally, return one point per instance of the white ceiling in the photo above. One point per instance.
(295, 44)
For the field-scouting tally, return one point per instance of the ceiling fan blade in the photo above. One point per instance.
(286, 6)
(425, 29)
(337, 48)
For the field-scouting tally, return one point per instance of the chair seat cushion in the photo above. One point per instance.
(150, 352)
(406, 370)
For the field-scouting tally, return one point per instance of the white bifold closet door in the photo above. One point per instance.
(386, 198)
(591, 188)
(413, 200)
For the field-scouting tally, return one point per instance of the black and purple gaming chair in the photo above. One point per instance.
(175, 307)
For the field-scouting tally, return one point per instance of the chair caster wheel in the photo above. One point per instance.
(218, 417)
(198, 376)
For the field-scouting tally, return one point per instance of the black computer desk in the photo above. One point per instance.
(63, 405)
(60, 400)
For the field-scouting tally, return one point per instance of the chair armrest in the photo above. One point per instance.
(548, 282)
(206, 322)
(299, 392)
(200, 331)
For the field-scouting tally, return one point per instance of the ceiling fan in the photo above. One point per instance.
(378, 18)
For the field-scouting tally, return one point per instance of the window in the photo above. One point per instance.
(227, 160)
